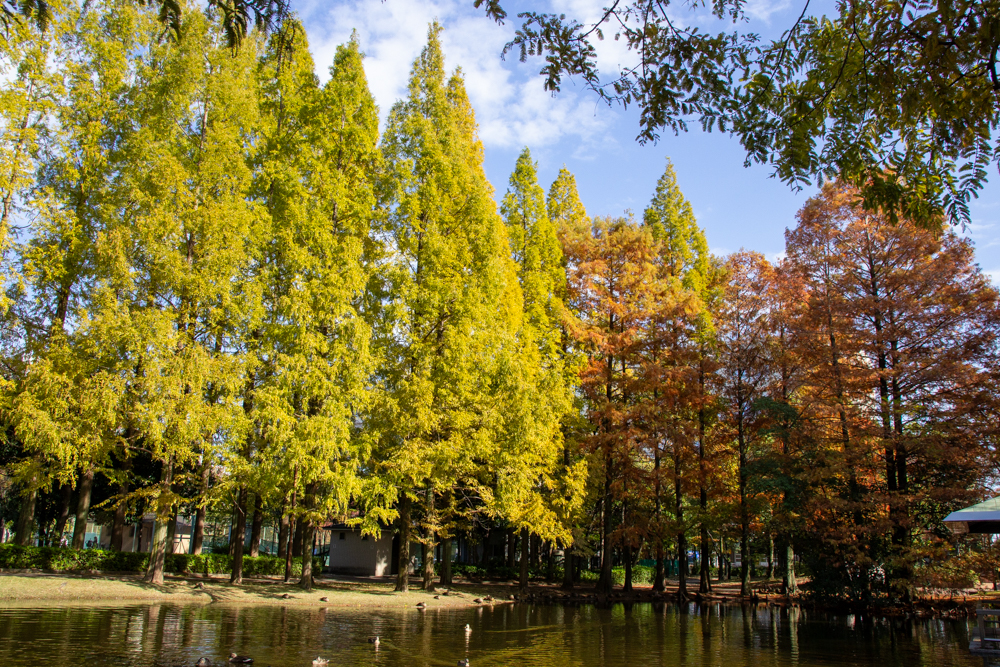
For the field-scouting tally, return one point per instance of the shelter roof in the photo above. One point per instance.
(982, 517)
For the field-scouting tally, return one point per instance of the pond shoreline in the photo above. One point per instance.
(29, 587)
(65, 588)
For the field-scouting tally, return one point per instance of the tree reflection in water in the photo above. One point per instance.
(522, 635)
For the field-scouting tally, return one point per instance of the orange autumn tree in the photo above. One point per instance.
(746, 375)
(899, 333)
(617, 289)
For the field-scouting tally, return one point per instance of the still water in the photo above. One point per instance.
(638, 635)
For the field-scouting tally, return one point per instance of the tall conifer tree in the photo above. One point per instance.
(573, 229)
(183, 249)
(542, 390)
(452, 293)
(318, 181)
(686, 258)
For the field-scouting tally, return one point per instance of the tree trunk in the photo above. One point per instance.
(525, 558)
(427, 553)
(25, 530)
(704, 576)
(901, 537)
(258, 523)
(744, 508)
(164, 510)
(550, 563)
(682, 561)
(770, 558)
(628, 568)
(426, 565)
(232, 533)
(238, 537)
(171, 532)
(118, 523)
(658, 574)
(567, 583)
(745, 558)
(704, 572)
(789, 584)
(84, 491)
(511, 548)
(65, 501)
(282, 533)
(308, 535)
(446, 561)
(605, 583)
(297, 539)
(290, 547)
(198, 533)
(403, 575)
(658, 583)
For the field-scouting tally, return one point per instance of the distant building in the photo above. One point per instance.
(352, 553)
(981, 518)
(363, 555)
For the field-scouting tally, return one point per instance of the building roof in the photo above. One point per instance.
(983, 517)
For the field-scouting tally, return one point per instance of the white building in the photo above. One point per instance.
(361, 555)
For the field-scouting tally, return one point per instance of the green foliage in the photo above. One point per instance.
(62, 559)
(65, 559)
(223, 284)
(641, 575)
(803, 102)
(539, 380)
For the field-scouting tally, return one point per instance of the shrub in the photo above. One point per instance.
(641, 575)
(471, 572)
(63, 559)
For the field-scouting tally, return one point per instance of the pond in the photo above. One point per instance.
(522, 635)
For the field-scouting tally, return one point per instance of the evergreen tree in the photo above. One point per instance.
(451, 296)
(566, 212)
(573, 229)
(685, 258)
(542, 391)
(181, 253)
(68, 409)
(318, 182)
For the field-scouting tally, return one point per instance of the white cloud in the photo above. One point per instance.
(763, 10)
(775, 257)
(512, 108)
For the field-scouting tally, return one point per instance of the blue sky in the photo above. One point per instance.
(738, 207)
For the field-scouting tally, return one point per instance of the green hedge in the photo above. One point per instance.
(641, 575)
(65, 559)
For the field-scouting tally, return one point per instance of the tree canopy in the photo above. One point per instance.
(227, 293)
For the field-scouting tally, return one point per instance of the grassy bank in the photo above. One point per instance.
(62, 588)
